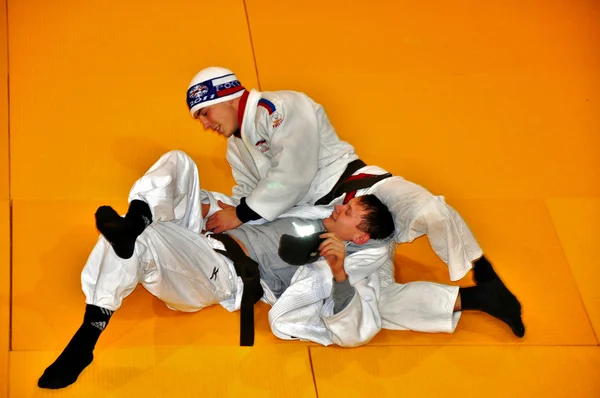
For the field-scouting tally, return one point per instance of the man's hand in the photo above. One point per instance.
(223, 220)
(334, 251)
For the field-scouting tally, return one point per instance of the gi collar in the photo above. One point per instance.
(241, 110)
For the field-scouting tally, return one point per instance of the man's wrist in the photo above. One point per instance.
(340, 276)
(244, 213)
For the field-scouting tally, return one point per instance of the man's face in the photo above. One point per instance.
(344, 222)
(221, 118)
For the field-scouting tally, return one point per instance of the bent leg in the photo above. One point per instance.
(419, 306)
(418, 212)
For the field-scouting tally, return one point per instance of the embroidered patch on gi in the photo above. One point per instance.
(268, 105)
(262, 146)
(277, 119)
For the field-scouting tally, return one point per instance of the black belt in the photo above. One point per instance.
(342, 186)
(247, 269)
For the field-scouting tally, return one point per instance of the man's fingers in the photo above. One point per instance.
(330, 242)
(211, 223)
(329, 252)
(214, 225)
(329, 235)
(332, 250)
(223, 205)
(214, 218)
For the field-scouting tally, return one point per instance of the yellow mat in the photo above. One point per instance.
(4, 294)
(274, 371)
(118, 73)
(4, 141)
(577, 221)
(437, 106)
(459, 97)
(4, 205)
(457, 372)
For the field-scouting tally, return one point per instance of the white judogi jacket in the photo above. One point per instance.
(305, 309)
(288, 153)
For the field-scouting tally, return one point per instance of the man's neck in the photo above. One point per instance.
(240, 106)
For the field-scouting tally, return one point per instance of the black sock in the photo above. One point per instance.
(79, 352)
(483, 271)
(122, 232)
(493, 297)
(470, 298)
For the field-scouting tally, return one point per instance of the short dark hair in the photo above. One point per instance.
(378, 221)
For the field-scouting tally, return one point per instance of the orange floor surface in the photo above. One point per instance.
(492, 104)
(4, 295)
(457, 372)
(270, 371)
(576, 220)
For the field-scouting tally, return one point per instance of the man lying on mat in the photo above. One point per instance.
(343, 294)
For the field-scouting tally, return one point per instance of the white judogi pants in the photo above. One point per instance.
(426, 307)
(172, 260)
(418, 212)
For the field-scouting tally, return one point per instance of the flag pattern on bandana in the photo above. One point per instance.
(211, 89)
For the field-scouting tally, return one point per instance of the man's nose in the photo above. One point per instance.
(204, 122)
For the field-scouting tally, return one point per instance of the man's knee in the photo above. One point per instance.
(177, 156)
(433, 208)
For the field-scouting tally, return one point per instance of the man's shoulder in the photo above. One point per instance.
(274, 106)
(276, 101)
(283, 95)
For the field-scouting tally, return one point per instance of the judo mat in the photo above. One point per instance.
(267, 371)
(4, 295)
(493, 105)
(576, 220)
(450, 371)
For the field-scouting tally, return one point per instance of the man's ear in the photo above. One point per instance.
(361, 239)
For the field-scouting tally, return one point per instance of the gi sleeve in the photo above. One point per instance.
(245, 182)
(359, 321)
